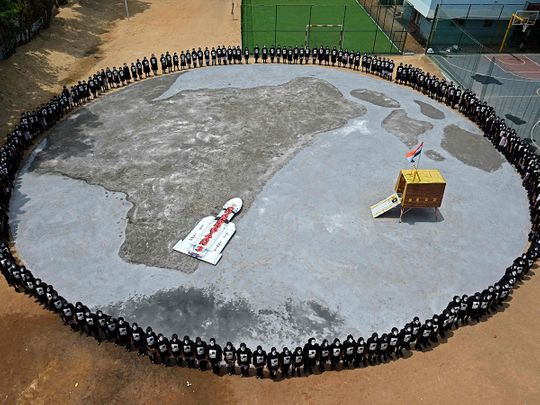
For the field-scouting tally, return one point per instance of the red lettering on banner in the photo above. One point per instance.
(215, 228)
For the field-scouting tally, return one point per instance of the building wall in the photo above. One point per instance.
(460, 8)
(422, 25)
(464, 25)
(468, 35)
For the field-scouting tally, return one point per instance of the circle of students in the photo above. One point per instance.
(313, 356)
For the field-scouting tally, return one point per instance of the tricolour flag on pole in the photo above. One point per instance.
(413, 154)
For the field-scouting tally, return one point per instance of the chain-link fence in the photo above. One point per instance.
(388, 14)
(480, 28)
(515, 94)
(343, 26)
(464, 42)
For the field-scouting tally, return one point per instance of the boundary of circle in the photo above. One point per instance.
(46, 132)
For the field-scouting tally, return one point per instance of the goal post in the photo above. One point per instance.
(324, 35)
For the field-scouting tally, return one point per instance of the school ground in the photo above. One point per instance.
(308, 23)
(495, 361)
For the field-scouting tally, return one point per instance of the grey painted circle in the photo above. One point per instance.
(307, 258)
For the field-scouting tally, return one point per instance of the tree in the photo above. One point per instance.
(47, 8)
(9, 27)
(17, 19)
(26, 18)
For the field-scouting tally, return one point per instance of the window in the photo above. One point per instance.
(488, 23)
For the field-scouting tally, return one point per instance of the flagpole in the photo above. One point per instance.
(416, 166)
(418, 163)
(412, 155)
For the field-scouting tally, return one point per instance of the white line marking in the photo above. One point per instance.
(495, 77)
(490, 97)
(533, 61)
(503, 69)
(521, 62)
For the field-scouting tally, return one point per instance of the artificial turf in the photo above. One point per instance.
(274, 22)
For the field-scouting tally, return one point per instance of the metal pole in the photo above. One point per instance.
(275, 27)
(242, 26)
(498, 22)
(462, 28)
(392, 33)
(489, 73)
(341, 44)
(127, 9)
(418, 163)
(433, 27)
(506, 33)
(308, 31)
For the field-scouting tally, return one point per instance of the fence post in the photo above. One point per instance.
(374, 40)
(462, 29)
(392, 45)
(404, 42)
(498, 22)
(242, 22)
(433, 26)
(489, 72)
(341, 43)
(476, 63)
(307, 34)
(275, 26)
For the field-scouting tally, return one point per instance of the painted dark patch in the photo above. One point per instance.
(405, 128)
(433, 155)
(197, 312)
(429, 111)
(374, 97)
(471, 149)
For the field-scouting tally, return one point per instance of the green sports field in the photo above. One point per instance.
(271, 22)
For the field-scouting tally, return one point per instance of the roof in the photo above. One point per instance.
(424, 176)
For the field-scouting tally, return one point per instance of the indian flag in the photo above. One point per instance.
(413, 154)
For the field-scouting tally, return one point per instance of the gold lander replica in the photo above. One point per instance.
(414, 189)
